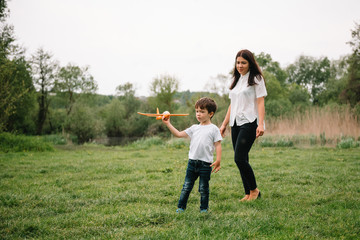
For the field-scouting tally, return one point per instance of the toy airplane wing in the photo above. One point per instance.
(160, 115)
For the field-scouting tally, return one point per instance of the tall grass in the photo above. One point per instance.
(331, 122)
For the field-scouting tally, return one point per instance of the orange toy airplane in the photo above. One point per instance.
(159, 116)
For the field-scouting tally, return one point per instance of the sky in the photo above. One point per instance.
(192, 40)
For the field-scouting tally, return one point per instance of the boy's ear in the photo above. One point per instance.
(211, 114)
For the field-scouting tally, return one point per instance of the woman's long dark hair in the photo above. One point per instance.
(254, 68)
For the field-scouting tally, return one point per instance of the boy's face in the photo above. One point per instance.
(203, 116)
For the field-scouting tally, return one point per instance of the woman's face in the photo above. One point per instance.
(242, 65)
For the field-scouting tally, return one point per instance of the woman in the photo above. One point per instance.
(246, 116)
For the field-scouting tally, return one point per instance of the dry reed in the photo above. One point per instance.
(332, 122)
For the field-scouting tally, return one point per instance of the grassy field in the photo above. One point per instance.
(96, 192)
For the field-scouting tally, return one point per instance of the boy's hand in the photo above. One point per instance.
(165, 120)
(216, 166)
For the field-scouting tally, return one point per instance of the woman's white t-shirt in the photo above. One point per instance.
(202, 141)
(244, 100)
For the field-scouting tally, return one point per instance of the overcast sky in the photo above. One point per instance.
(193, 40)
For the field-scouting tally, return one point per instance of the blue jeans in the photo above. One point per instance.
(195, 169)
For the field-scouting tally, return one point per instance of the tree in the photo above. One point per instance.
(219, 84)
(277, 108)
(115, 119)
(337, 82)
(16, 89)
(72, 80)
(126, 95)
(83, 123)
(274, 88)
(164, 88)
(44, 71)
(351, 92)
(267, 64)
(310, 73)
(3, 8)
(125, 90)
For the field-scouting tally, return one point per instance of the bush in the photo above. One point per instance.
(313, 140)
(115, 123)
(147, 142)
(83, 123)
(177, 143)
(266, 142)
(55, 139)
(269, 142)
(20, 143)
(347, 143)
(277, 108)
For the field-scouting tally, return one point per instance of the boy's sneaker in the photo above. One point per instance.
(203, 211)
(180, 210)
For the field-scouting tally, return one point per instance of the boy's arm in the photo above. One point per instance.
(173, 130)
(216, 164)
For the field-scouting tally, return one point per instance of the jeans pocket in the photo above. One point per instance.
(205, 166)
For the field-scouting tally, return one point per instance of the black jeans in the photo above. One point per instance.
(243, 138)
(195, 169)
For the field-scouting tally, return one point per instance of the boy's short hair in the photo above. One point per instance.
(206, 103)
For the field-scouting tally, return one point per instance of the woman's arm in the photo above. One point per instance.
(261, 109)
(225, 122)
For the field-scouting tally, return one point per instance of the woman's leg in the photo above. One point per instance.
(243, 138)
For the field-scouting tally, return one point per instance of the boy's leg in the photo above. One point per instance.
(190, 178)
(205, 172)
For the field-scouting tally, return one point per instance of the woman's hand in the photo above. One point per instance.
(225, 122)
(222, 130)
(260, 131)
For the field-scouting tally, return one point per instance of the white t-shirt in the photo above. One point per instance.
(202, 141)
(244, 100)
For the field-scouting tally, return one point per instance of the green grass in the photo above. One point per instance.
(21, 143)
(96, 192)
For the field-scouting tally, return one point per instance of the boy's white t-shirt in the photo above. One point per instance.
(202, 141)
(244, 100)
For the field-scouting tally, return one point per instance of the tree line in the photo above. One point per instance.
(39, 96)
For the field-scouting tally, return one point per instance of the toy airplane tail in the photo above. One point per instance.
(157, 112)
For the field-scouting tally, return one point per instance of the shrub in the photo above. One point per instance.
(83, 123)
(55, 139)
(270, 142)
(115, 123)
(277, 108)
(147, 142)
(20, 143)
(284, 143)
(347, 143)
(266, 142)
(313, 140)
(177, 143)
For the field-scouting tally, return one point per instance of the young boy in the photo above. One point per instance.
(205, 137)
